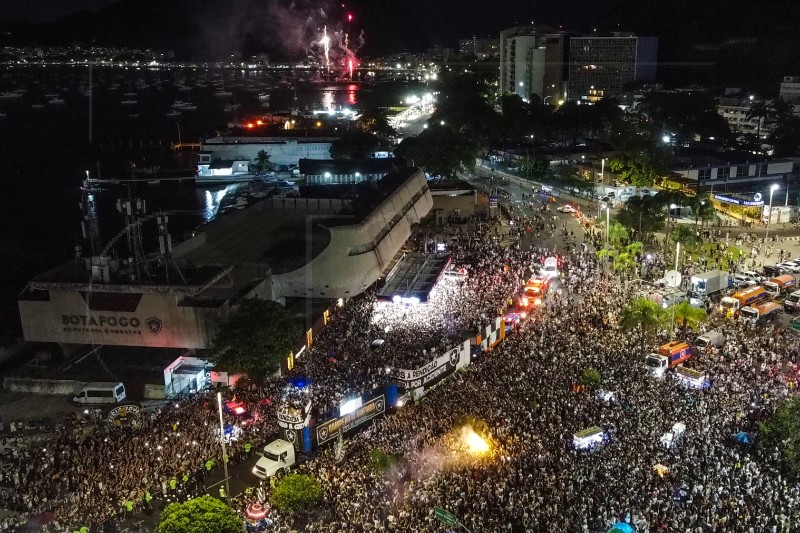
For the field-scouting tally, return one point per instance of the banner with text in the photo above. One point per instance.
(442, 366)
(330, 429)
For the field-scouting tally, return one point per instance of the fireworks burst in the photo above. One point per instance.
(326, 43)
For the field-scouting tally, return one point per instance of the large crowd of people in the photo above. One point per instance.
(532, 478)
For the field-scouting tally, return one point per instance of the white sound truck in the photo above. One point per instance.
(278, 457)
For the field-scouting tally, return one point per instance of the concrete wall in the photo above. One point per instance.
(358, 254)
(281, 151)
(157, 320)
(154, 391)
(43, 386)
(332, 205)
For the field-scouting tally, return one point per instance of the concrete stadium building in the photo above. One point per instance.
(288, 248)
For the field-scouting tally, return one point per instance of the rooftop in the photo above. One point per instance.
(414, 276)
(346, 166)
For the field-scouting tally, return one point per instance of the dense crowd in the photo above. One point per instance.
(535, 480)
(532, 478)
(86, 480)
(345, 358)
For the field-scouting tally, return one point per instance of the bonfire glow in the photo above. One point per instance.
(474, 442)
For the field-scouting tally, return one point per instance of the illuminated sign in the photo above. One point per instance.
(755, 202)
(330, 430)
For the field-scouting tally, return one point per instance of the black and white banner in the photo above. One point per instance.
(330, 429)
(442, 366)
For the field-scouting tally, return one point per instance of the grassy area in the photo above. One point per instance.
(695, 252)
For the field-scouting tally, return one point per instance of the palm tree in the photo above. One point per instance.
(623, 262)
(760, 110)
(642, 315)
(262, 160)
(617, 233)
(688, 315)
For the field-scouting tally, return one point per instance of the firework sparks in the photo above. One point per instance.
(326, 43)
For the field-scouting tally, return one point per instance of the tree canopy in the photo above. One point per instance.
(199, 515)
(644, 316)
(440, 151)
(687, 315)
(256, 338)
(354, 145)
(296, 493)
(782, 431)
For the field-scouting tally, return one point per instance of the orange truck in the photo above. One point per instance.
(669, 356)
(748, 296)
(762, 311)
(780, 285)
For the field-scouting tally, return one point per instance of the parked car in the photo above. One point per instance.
(771, 271)
(741, 280)
(790, 267)
(755, 276)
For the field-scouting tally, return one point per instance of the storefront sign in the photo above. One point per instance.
(757, 201)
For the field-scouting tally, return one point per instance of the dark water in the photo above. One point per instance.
(46, 151)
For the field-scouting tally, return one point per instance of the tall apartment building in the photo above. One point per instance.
(607, 66)
(790, 89)
(522, 62)
(556, 67)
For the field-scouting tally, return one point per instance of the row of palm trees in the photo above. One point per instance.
(646, 317)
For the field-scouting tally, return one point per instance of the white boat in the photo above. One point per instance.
(37, 106)
(10, 95)
(129, 102)
(56, 101)
(222, 93)
(130, 94)
(174, 113)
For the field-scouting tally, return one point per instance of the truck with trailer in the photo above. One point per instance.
(743, 298)
(762, 311)
(709, 283)
(780, 285)
(669, 356)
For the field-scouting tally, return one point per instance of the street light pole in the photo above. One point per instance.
(772, 189)
(608, 221)
(224, 452)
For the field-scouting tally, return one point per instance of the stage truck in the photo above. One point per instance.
(669, 356)
(748, 296)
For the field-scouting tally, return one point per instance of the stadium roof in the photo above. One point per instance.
(414, 276)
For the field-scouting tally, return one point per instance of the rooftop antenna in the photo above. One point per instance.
(165, 246)
(134, 209)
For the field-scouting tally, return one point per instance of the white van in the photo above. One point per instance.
(108, 392)
(550, 269)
